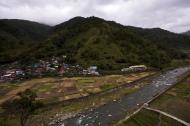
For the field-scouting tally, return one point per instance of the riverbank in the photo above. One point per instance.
(109, 113)
(174, 101)
(60, 110)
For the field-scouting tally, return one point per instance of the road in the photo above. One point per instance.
(168, 115)
(116, 110)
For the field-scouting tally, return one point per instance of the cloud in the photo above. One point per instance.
(168, 14)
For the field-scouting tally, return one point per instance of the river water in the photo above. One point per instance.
(116, 110)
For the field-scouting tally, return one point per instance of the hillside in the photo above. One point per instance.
(163, 37)
(109, 45)
(90, 41)
(17, 36)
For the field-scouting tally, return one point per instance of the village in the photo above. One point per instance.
(52, 67)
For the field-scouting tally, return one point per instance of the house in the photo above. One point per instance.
(138, 67)
(61, 70)
(8, 77)
(50, 69)
(39, 71)
(125, 69)
(93, 70)
(19, 72)
(10, 71)
(135, 68)
(85, 72)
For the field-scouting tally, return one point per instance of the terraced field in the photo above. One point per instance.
(64, 88)
(149, 118)
(49, 89)
(176, 101)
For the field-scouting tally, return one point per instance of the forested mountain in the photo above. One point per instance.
(163, 37)
(95, 41)
(17, 36)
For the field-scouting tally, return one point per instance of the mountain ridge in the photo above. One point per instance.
(107, 44)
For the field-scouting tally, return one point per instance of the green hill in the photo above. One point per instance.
(17, 36)
(163, 37)
(107, 44)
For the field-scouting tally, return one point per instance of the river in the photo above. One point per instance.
(118, 109)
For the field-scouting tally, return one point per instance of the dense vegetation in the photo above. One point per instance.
(21, 107)
(17, 36)
(163, 37)
(94, 41)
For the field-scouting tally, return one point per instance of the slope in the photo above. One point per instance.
(95, 41)
(18, 35)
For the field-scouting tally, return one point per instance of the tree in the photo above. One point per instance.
(23, 106)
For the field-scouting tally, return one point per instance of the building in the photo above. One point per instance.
(93, 70)
(61, 70)
(138, 67)
(135, 68)
(19, 72)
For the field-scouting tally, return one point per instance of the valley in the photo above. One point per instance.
(89, 71)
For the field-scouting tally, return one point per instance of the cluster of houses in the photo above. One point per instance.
(53, 66)
(11, 74)
(92, 70)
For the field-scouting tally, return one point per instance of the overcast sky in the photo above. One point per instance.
(173, 15)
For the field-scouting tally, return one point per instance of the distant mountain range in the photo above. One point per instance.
(90, 41)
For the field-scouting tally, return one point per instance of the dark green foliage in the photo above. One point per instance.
(18, 36)
(94, 41)
(163, 38)
(23, 106)
(150, 118)
(24, 30)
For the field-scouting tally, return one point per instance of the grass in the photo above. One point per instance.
(47, 84)
(149, 118)
(43, 88)
(6, 87)
(106, 86)
(176, 100)
(86, 80)
(44, 114)
(166, 121)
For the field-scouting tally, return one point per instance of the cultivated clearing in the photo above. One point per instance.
(176, 101)
(52, 89)
(149, 118)
(64, 88)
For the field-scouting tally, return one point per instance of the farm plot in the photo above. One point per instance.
(64, 88)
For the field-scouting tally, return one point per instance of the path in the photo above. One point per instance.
(168, 115)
